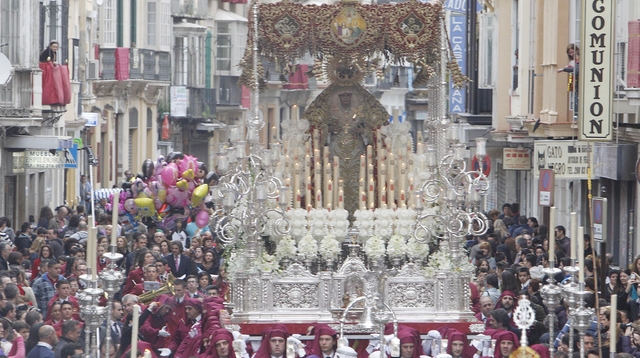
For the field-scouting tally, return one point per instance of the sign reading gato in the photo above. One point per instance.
(596, 68)
(567, 159)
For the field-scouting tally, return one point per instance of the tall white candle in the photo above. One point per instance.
(296, 184)
(134, 331)
(390, 193)
(318, 199)
(336, 176)
(613, 322)
(552, 236)
(574, 235)
(581, 253)
(114, 219)
(307, 193)
(371, 189)
(92, 252)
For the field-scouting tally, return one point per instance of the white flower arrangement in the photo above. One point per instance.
(318, 219)
(338, 220)
(235, 262)
(308, 247)
(397, 246)
(298, 220)
(267, 263)
(272, 219)
(329, 248)
(417, 250)
(383, 230)
(374, 247)
(364, 222)
(406, 214)
(286, 248)
(439, 261)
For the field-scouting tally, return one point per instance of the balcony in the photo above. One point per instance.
(21, 98)
(135, 64)
(229, 91)
(193, 9)
(202, 103)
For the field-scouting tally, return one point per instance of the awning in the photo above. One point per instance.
(224, 15)
(210, 127)
(36, 142)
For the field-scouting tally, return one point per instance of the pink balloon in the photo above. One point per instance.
(170, 174)
(187, 163)
(178, 198)
(202, 219)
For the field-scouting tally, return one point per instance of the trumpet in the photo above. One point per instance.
(167, 288)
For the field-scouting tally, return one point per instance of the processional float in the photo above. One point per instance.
(348, 205)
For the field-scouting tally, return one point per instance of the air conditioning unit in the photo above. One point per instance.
(93, 70)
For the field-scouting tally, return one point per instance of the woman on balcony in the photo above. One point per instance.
(50, 53)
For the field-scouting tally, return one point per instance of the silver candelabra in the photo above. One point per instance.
(249, 181)
(91, 312)
(111, 279)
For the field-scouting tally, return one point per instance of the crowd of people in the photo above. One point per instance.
(43, 263)
(510, 261)
(42, 266)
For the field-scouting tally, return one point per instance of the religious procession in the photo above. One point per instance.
(386, 213)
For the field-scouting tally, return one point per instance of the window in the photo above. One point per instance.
(223, 53)
(54, 17)
(164, 13)
(488, 50)
(108, 10)
(181, 64)
(151, 23)
(9, 19)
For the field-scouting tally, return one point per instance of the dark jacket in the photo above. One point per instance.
(187, 267)
(23, 241)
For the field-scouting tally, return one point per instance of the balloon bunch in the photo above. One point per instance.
(169, 190)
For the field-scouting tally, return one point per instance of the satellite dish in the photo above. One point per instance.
(99, 2)
(5, 69)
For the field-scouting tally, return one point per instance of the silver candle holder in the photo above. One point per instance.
(91, 312)
(571, 294)
(111, 279)
(582, 316)
(551, 295)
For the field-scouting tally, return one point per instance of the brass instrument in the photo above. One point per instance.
(150, 296)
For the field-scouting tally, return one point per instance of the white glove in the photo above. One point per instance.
(240, 347)
(373, 345)
(395, 347)
(163, 332)
(298, 346)
(165, 352)
(388, 337)
(296, 336)
(343, 342)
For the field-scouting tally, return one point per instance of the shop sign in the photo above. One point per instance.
(458, 40)
(44, 159)
(597, 70)
(516, 159)
(179, 101)
(567, 159)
